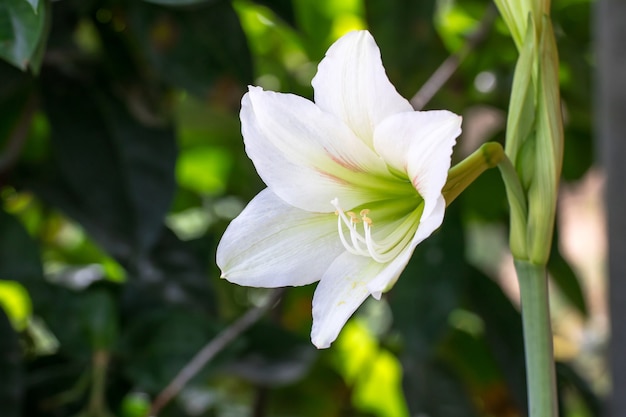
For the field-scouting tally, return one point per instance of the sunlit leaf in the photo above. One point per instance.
(16, 302)
(373, 373)
(325, 21)
(204, 169)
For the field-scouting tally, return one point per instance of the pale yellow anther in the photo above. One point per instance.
(353, 217)
(364, 217)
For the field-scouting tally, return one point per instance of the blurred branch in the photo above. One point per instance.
(452, 63)
(210, 350)
(17, 137)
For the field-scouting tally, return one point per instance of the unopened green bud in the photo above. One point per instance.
(516, 13)
(542, 194)
(521, 116)
(534, 140)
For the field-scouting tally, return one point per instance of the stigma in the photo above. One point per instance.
(355, 233)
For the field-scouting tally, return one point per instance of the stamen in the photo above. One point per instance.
(380, 253)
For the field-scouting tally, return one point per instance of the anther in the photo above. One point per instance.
(353, 217)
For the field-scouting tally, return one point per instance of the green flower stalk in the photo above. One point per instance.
(489, 155)
(534, 145)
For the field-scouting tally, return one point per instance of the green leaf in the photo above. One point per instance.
(112, 173)
(187, 47)
(11, 383)
(25, 21)
(204, 169)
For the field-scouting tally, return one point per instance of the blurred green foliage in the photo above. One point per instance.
(121, 163)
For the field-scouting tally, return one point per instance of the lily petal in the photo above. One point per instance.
(420, 144)
(306, 156)
(265, 245)
(351, 83)
(389, 276)
(339, 293)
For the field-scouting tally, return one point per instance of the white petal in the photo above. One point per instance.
(340, 292)
(351, 83)
(420, 144)
(307, 157)
(430, 223)
(388, 277)
(272, 244)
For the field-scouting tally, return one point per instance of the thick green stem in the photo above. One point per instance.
(540, 376)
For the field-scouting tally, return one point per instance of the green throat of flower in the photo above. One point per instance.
(357, 236)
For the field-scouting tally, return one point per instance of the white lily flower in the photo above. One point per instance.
(354, 183)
